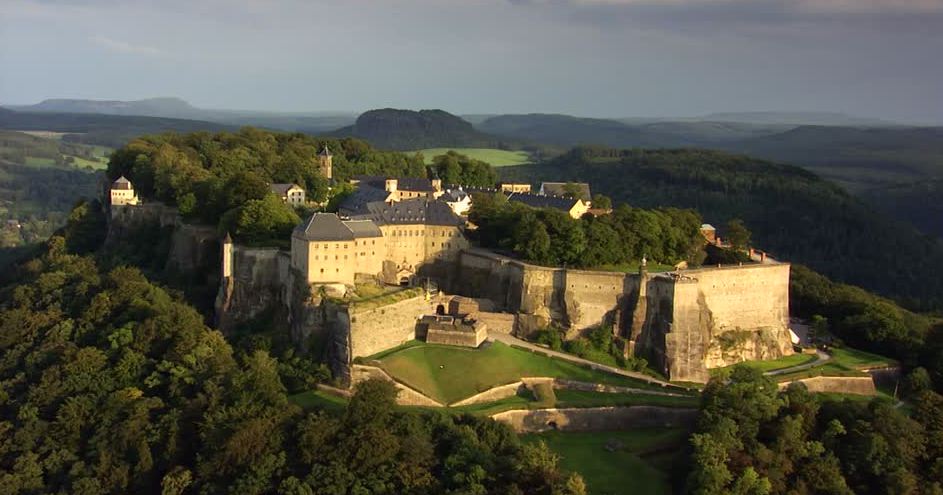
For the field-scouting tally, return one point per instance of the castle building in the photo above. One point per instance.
(458, 200)
(389, 242)
(514, 187)
(373, 188)
(122, 193)
(326, 162)
(574, 207)
(292, 194)
(563, 189)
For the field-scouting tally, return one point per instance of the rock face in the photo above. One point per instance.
(683, 324)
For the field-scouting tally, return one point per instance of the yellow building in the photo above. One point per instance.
(122, 193)
(391, 242)
(515, 187)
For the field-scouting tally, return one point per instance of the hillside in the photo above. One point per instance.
(792, 213)
(152, 107)
(107, 130)
(796, 118)
(176, 108)
(409, 130)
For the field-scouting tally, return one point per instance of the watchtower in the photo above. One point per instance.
(325, 162)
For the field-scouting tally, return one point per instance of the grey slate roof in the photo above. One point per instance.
(325, 151)
(324, 227)
(121, 183)
(282, 189)
(541, 201)
(454, 195)
(329, 227)
(356, 203)
(413, 211)
(363, 228)
(558, 189)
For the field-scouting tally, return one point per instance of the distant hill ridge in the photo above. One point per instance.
(397, 129)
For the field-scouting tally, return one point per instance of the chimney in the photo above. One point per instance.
(391, 185)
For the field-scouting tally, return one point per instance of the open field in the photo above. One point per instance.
(640, 462)
(450, 374)
(496, 157)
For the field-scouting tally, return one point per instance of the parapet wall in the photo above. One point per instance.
(377, 329)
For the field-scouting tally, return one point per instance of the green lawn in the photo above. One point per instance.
(853, 358)
(641, 465)
(497, 158)
(314, 399)
(449, 374)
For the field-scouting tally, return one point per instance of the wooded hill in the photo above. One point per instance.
(793, 213)
(394, 129)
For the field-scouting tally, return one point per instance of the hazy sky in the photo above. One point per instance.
(617, 58)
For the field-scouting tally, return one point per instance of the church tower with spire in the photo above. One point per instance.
(325, 162)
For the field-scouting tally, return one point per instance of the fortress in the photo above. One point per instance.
(683, 322)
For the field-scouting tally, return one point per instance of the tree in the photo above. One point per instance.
(600, 201)
(737, 235)
(260, 220)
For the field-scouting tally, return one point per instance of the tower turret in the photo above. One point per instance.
(325, 162)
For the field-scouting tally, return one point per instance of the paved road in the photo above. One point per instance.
(507, 339)
(821, 357)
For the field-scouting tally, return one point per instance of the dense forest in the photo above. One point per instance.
(109, 384)
(752, 439)
(393, 129)
(551, 237)
(791, 212)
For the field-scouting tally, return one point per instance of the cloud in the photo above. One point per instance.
(811, 6)
(119, 46)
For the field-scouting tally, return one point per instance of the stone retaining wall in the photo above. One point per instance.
(859, 385)
(406, 397)
(596, 418)
(492, 394)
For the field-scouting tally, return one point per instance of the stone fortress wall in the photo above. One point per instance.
(684, 324)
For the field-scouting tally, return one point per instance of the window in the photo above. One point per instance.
(322, 270)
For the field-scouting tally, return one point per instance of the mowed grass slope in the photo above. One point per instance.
(450, 374)
(496, 157)
(640, 462)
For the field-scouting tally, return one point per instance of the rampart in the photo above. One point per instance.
(684, 323)
(379, 328)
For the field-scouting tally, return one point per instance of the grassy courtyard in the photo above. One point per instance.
(640, 461)
(496, 157)
(449, 374)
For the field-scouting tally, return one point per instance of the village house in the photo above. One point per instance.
(458, 200)
(122, 193)
(292, 194)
